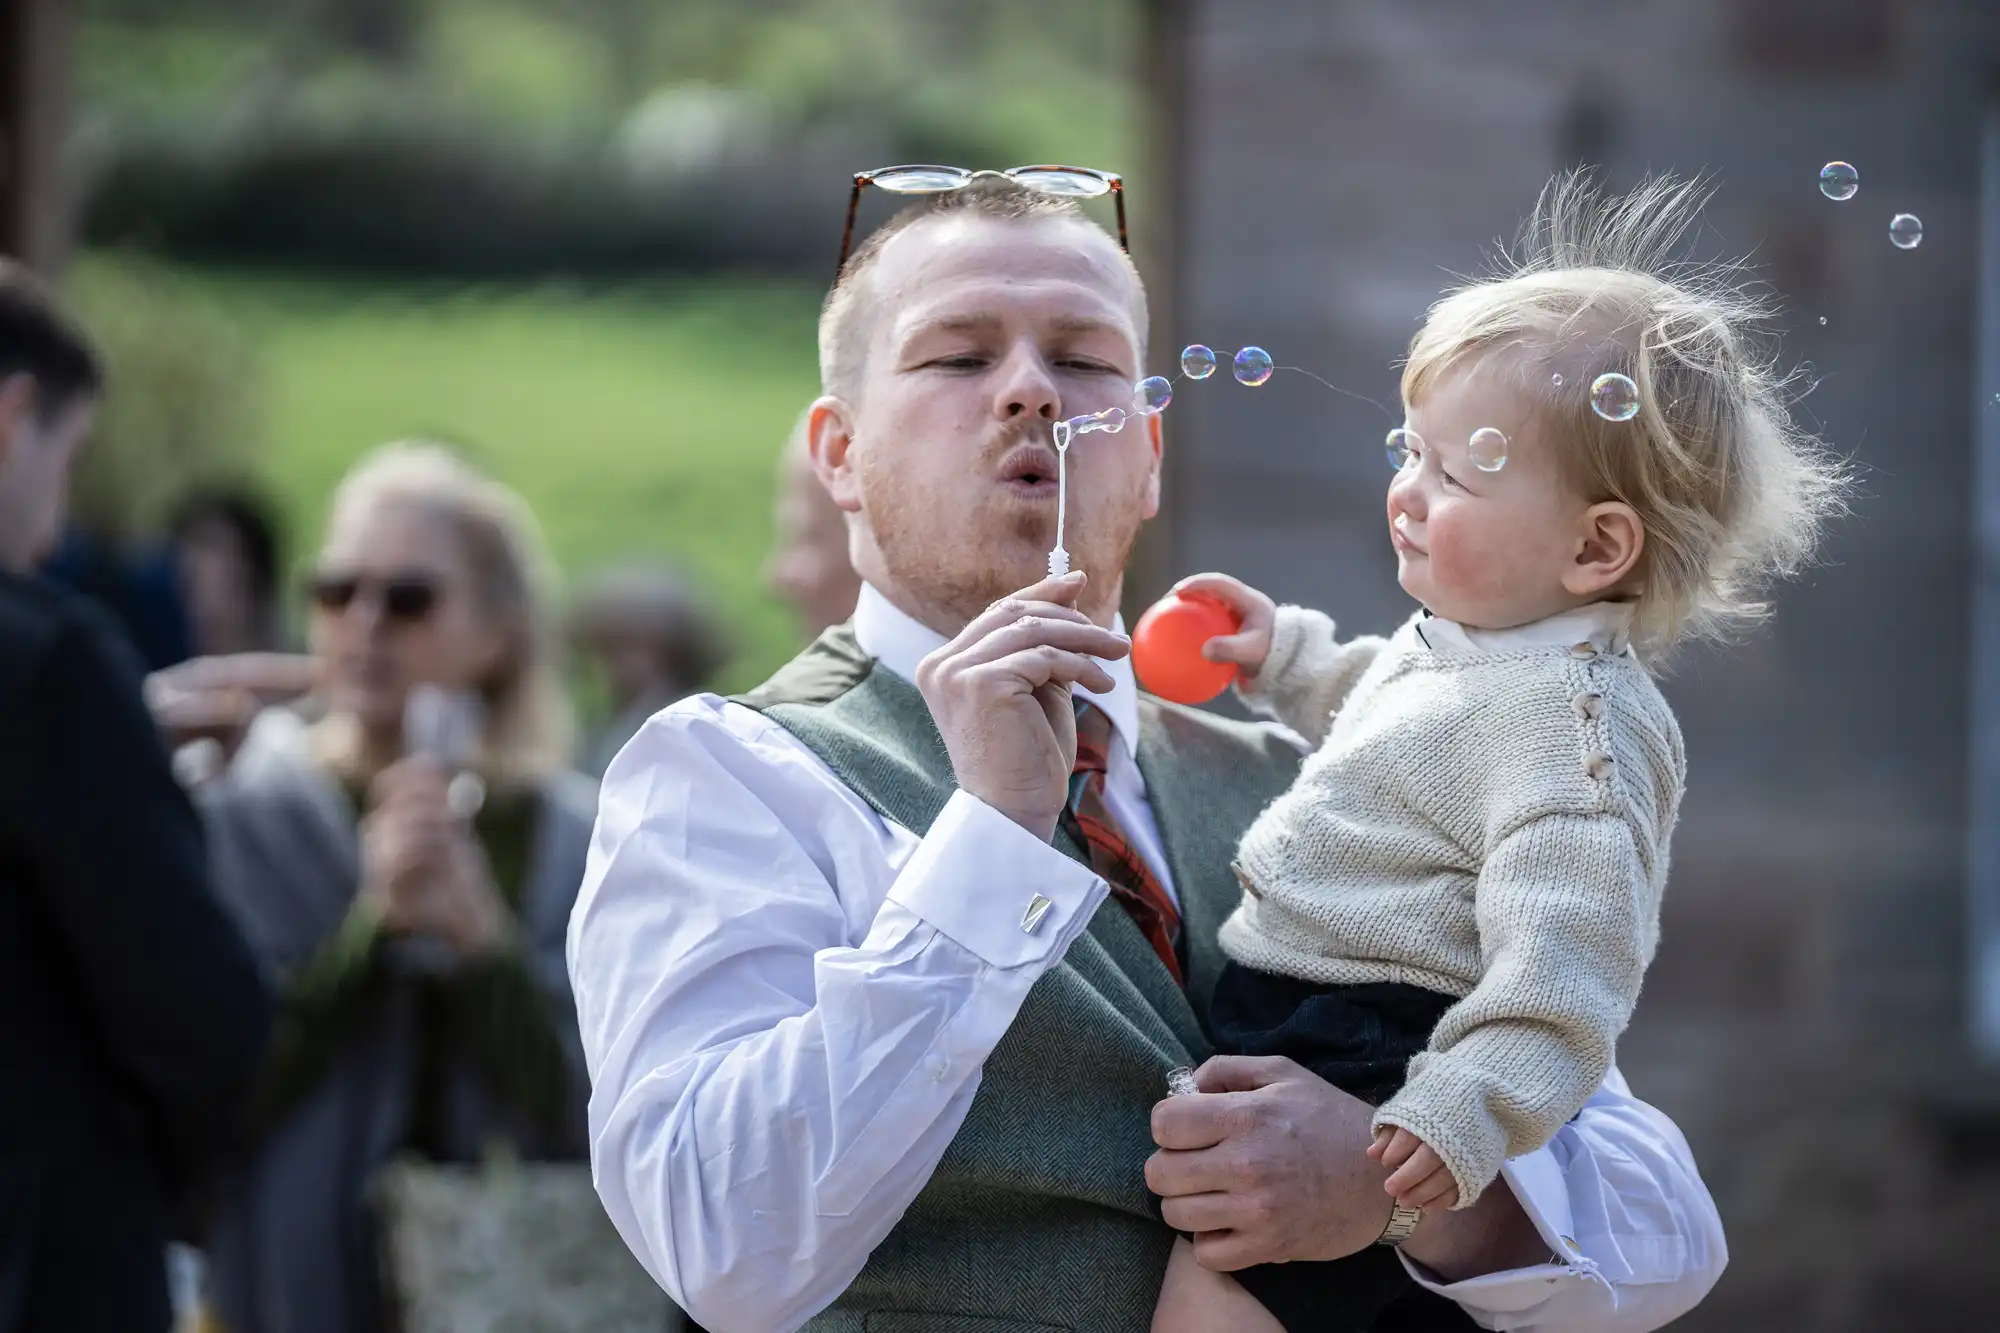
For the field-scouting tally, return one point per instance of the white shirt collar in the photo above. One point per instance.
(1605, 626)
(899, 641)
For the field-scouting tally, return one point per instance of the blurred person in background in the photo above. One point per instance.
(651, 639)
(225, 546)
(418, 934)
(135, 1017)
(809, 565)
(136, 584)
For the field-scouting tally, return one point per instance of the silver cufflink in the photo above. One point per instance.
(1038, 907)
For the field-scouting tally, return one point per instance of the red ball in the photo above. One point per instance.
(1166, 647)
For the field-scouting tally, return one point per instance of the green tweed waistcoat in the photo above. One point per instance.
(1038, 1216)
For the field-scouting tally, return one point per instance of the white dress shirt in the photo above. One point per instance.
(786, 1001)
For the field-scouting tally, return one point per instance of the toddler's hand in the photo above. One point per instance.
(1249, 646)
(1418, 1176)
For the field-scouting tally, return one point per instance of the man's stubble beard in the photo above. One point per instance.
(934, 561)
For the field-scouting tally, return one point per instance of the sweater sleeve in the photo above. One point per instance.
(1565, 908)
(1309, 672)
(323, 1002)
(500, 1011)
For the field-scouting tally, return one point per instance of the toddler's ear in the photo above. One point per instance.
(1608, 549)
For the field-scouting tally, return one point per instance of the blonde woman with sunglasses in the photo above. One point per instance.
(403, 849)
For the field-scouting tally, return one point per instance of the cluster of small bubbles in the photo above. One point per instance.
(1253, 366)
(1401, 446)
(1905, 231)
(1488, 449)
(1152, 395)
(1614, 396)
(1837, 180)
(1197, 362)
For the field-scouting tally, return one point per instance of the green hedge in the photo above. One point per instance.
(186, 395)
(407, 191)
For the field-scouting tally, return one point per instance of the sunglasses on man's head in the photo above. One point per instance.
(1070, 182)
(407, 598)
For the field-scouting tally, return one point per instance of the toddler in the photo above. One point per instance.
(1463, 884)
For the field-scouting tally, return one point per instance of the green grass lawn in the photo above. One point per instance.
(643, 421)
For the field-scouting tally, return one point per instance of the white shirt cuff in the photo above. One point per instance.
(1537, 1182)
(995, 889)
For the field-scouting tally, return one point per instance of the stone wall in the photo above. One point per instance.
(1335, 163)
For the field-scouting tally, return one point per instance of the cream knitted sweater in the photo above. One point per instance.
(1492, 825)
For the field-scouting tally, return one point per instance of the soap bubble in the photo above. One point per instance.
(1556, 380)
(1197, 362)
(1822, 319)
(1253, 366)
(1614, 397)
(1488, 449)
(1401, 446)
(1905, 230)
(1152, 396)
(1111, 420)
(1837, 180)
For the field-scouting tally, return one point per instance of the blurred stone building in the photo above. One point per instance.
(34, 69)
(1810, 1021)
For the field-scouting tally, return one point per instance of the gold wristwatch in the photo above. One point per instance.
(1402, 1223)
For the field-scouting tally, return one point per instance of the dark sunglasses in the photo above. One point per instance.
(1070, 182)
(406, 598)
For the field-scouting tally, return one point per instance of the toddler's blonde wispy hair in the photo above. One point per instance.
(1732, 491)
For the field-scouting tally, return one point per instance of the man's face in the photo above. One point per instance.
(36, 454)
(984, 333)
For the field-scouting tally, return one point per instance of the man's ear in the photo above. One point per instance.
(17, 411)
(830, 436)
(1608, 550)
(1155, 438)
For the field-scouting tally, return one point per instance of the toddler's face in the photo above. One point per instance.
(1487, 549)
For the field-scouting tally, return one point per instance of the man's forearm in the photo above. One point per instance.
(1491, 1236)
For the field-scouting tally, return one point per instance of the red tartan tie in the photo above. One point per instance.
(1112, 856)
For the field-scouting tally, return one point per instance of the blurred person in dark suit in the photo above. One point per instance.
(135, 1016)
(653, 641)
(135, 584)
(809, 565)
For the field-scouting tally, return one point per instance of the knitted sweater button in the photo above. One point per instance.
(1583, 651)
(1589, 707)
(1598, 764)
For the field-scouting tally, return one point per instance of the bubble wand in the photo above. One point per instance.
(1058, 557)
(1111, 419)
